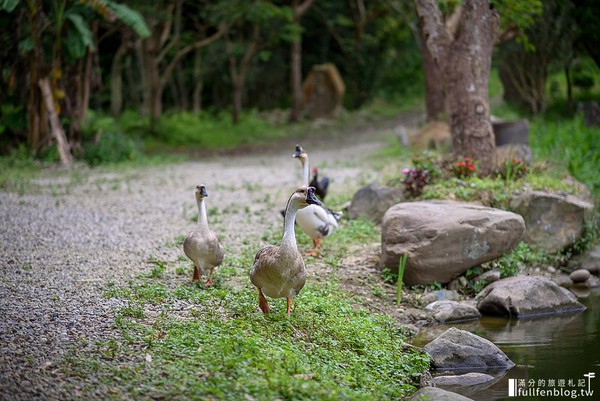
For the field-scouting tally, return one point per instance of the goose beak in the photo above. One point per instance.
(203, 191)
(298, 151)
(311, 199)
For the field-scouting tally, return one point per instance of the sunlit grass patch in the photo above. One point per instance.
(221, 346)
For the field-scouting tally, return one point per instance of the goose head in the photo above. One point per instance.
(305, 196)
(300, 154)
(200, 193)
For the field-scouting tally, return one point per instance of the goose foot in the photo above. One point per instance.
(209, 281)
(289, 306)
(313, 252)
(262, 302)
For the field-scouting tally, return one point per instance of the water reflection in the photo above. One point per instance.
(545, 350)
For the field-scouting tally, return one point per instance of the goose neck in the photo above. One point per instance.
(202, 219)
(305, 171)
(289, 234)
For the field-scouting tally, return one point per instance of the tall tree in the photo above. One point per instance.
(464, 63)
(299, 9)
(161, 53)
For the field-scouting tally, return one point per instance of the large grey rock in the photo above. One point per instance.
(553, 221)
(444, 239)
(437, 394)
(452, 311)
(460, 350)
(526, 296)
(371, 202)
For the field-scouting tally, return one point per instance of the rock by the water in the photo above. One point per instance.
(444, 239)
(468, 379)
(452, 311)
(589, 260)
(439, 295)
(526, 296)
(580, 275)
(553, 221)
(371, 202)
(437, 394)
(459, 350)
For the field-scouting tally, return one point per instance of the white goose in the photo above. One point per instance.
(279, 271)
(202, 245)
(316, 221)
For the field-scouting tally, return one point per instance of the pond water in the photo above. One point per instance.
(552, 354)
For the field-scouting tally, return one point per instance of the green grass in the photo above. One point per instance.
(223, 347)
(220, 346)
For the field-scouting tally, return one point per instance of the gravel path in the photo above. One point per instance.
(69, 236)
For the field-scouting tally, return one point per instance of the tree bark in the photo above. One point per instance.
(435, 99)
(465, 62)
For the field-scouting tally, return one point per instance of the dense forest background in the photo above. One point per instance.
(152, 60)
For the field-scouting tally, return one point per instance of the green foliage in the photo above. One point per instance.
(570, 144)
(523, 256)
(129, 17)
(111, 148)
(210, 131)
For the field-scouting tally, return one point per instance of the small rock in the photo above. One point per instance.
(440, 295)
(489, 277)
(551, 269)
(437, 394)
(371, 202)
(459, 349)
(468, 379)
(452, 311)
(580, 275)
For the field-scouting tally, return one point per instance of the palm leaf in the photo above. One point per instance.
(8, 5)
(129, 17)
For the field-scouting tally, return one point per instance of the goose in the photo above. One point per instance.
(202, 245)
(278, 271)
(320, 185)
(316, 221)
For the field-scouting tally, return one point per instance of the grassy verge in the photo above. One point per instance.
(178, 340)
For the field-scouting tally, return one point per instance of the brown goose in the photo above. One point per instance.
(278, 271)
(202, 244)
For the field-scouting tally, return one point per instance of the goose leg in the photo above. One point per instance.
(197, 275)
(209, 279)
(289, 306)
(313, 252)
(262, 302)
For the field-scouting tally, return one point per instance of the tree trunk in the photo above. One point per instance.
(116, 78)
(143, 64)
(465, 63)
(296, 80)
(36, 109)
(299, 9)
(57, 130)
(198, 83)
(435, 99)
